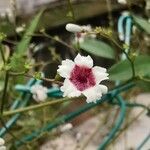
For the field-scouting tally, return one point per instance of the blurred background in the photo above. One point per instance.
(87, 130)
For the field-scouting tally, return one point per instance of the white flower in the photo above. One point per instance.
(82, 78)
(39, 92)
(2, 142)
(122, 1)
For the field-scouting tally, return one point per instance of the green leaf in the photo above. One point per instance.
(17, 62)
(142, 23)
(98, 48)
(122, 70)
(23, 45)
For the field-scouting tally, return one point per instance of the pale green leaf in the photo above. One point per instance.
(142, 23)
(23, 45)
(98, 48)
(122, 70)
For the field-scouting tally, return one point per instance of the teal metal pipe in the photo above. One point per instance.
(117, 125)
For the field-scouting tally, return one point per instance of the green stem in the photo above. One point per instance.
(38, 106)
(52, 38)
(45, 79)
(32, 76)
(126, 54)
(71, 9)
(121, 48)
(5, 91)
(144, 79)
(110, 17)
(2, 53)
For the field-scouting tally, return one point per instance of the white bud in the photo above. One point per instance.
(66, 127)
(122, 1)
(39, 92)
(2, 142)
(73, 28)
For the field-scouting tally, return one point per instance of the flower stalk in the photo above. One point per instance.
(38, 106)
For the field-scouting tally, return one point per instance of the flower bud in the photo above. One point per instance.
(39, 92)
(73, 28)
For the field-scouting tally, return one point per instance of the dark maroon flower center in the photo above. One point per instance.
(82, 77)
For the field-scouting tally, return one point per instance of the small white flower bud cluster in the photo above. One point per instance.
(39, 92)
(66, 127)
(2, 144)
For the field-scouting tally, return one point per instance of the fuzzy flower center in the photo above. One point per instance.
(82, 77)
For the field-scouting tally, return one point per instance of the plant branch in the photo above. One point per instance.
(32, 76)
(4, 91)
(121, 48)
(52, 38)
(71, 10)
(45, 79)
(2, 53)
(38, 106)
(126, 54)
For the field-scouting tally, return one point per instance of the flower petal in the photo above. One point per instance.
(95, 93)
(69, 89)
(84, 61)
(65, 69)
(100, 74)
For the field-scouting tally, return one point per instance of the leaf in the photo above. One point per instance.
(142, 23)
(23, 45)
(98, 48)
(122, 70)
(17, 62)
